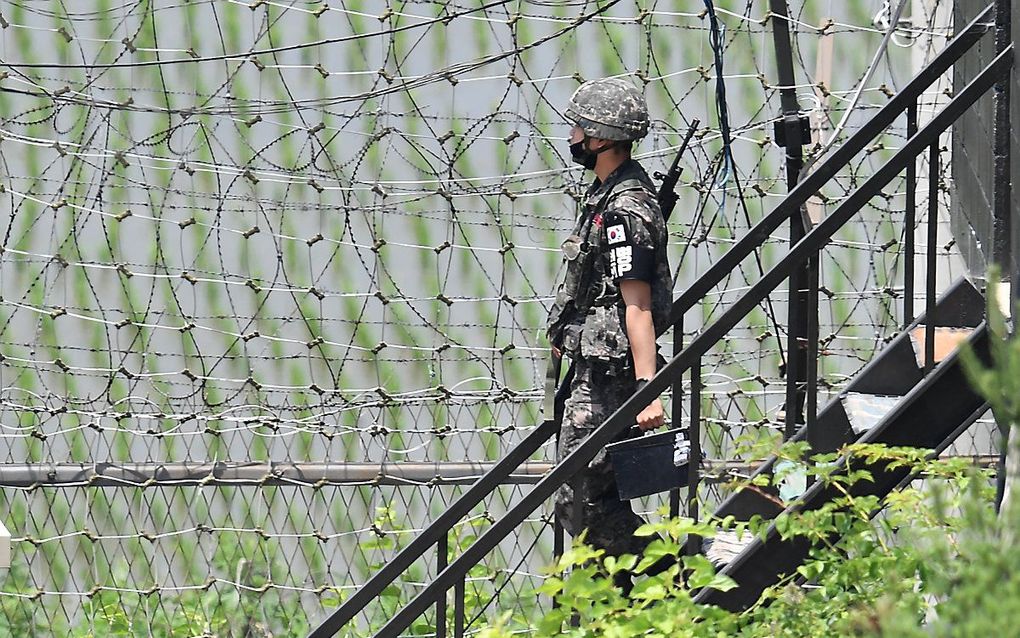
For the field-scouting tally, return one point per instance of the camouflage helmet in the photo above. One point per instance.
(610, 109)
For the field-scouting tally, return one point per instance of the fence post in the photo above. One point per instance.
(791, 133)
(930, 256)
(909, 224)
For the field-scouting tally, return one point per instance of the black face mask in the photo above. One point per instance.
(580, 153)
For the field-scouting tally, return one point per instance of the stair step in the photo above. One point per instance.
(1004, 298)
(893, 372)
(726, 545)
(866, 410)
(960, 306)
(793, 479)
(946, 341)
(749, 501)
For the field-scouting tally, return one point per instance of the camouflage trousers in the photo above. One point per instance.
(596, 392)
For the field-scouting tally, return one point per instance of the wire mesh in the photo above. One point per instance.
(327, 232)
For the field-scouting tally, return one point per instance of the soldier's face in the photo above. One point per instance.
(584, 150)
(593, 144)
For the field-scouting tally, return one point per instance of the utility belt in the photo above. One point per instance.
(600, 337)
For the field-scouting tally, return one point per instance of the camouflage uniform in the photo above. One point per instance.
(620, 235)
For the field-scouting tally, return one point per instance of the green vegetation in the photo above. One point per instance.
(936, 562)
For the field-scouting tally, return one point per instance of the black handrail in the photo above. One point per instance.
(812, 242)
(436, 531)
(754, 239)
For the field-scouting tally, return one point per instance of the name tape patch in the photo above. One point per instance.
(621, 260)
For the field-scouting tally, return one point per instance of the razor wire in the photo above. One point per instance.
(244, 239)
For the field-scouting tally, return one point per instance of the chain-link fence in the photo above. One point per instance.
(274, 277)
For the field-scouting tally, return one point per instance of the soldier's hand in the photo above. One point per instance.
(556, 352)
(651, 417)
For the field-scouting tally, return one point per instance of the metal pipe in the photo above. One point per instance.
(797, 310)
(558, 531)
(812, 347)
(787, 94)
(558, 538)
(795, 358)
(909, 223)
(694, 456)
(676, 409)
(458, 609)
(442, 555)
(154, 474)
(931, 263)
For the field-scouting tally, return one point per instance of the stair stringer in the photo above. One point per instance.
(893, 371)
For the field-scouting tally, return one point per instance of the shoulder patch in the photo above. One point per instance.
(616, 234)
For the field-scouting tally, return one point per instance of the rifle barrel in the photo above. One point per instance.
(667, 196)
(683, 145)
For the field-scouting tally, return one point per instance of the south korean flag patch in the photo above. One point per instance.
(616, 234)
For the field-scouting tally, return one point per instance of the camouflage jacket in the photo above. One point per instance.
(620, 234)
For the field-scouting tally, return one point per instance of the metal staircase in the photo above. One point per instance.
(934, 404)
(891, 401)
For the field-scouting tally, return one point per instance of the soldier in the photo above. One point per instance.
(615, 293)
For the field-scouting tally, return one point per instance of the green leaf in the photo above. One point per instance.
(722, 582)
(647, 530)
(811, 570)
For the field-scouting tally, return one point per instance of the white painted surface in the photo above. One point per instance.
(866, 410)
(5, 547)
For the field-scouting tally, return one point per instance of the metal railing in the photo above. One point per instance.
(688, 359)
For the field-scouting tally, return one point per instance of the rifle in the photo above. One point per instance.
(556, 391)
(667, 192)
